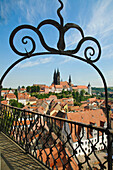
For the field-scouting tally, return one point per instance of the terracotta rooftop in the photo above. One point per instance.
(54, 152)
(11, 96)
(87, 117)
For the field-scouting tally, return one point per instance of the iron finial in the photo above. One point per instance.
(59, 14)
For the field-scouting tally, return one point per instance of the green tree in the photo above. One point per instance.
(38, 89)
(28, 88)
(102, 95)
(82, 92)
(15, 103)
(74, 94)
(16, 93)
(23, 87)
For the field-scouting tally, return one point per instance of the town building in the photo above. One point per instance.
(94, 118)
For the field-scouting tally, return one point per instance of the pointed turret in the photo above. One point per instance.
(69, 80)
(58, 77)
(89, 89)
(55, 77)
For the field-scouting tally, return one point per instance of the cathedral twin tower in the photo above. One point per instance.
(56, 78)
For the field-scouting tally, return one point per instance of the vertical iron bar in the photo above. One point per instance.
(0, 98)
(25, 123)
(109, 148)
(0, 106)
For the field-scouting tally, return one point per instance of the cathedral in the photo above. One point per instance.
(68, 85)
(56, 78)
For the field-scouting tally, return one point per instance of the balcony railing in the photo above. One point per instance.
(57, 142)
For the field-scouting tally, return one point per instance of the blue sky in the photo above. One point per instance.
(95, 17)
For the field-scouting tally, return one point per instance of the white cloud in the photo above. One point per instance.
(99, 24)
(4, 10)
(101, 18)
(34, 63)
(31, 11)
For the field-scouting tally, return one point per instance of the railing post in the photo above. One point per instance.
(0, 105)
(25, 123)
(109, 150)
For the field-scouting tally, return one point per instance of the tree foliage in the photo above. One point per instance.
(78, 97)
(15, 103)
(32, 89)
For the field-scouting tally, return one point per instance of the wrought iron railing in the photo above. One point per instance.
(56, 142)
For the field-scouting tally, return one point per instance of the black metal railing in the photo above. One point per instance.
(57, 142)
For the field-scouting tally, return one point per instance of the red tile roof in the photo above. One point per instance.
(59, 158)
(10, 96)
(87, 117)
(4, 102)
(79, 87)
(64, 84)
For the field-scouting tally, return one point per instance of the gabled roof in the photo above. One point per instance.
(11, 96)
(22, 96)
(64, 84)
(88, 116)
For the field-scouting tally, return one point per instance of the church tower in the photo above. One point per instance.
(89, 89)
(55, 77)
(69, 80)
(58, 77)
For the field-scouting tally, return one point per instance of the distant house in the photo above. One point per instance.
(4, 92)
(79, 88)
(46, 89)
(52, 88)
(58, 88)
(32, 100)
(23, 98)
(10, 96)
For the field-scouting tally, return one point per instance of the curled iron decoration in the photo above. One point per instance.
(62, 29)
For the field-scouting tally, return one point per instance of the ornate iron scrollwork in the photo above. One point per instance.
(61, 42)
